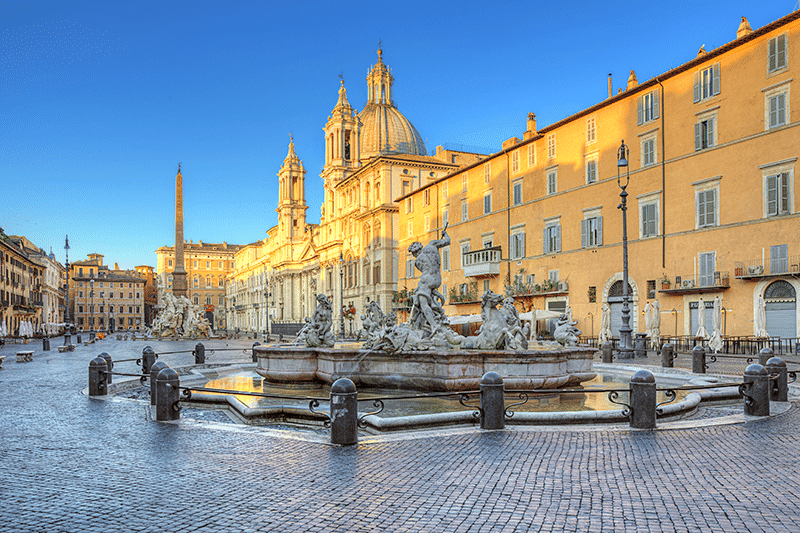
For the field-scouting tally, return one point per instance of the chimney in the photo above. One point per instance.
(610, 90)
(116, 266)
(531, 126)
(744, 29)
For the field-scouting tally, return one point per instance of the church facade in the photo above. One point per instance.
(372, 157)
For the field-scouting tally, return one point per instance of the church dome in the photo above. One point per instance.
(384, 129)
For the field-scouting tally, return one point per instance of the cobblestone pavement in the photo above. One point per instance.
(75, 464)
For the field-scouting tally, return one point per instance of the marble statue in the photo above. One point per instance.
(319, 334)
(495, 332)
(179, 317)
(302, 335)
(427, 313)
(566, 333)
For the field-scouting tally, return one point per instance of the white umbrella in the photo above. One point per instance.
(3, 329)
(605, 326)
(655, 325)
(532, 323)
(701, 321)
(716, 343)
(760, 319)
(648, 318)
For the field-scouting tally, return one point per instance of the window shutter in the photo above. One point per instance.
(558, 238)
(773, 112)
(780, 55)
(716, 82)
(784, 190)
(697, 136)
(772, 195)
(600, 231)
(696, 87)
(711, 197)
(701, 209)
(584, 233)
(655, 104)
(781, 105)
(710, 128)
(521, 245)
(546, 241)
(773, 54)
(639, 110)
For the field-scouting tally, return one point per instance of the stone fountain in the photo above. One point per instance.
(425, 353)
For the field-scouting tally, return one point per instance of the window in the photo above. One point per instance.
(706, 264)
(444, 190)
(552, 275)
(194, 264)
(591, 130)
(446, 258)
(486, 285)
(552, 181)
(487, 203)
(591, 231)
(648, 226)
(426, 197)
(464, 252)
(80, 309)
(776, 106)
(406, 187)
(464, 182)
(551, 146)
(778, 189)
(777, 110)
(221, 300)
(707, 208)
(445, 216)
(409, 205)
(647, 108)
(409, 266)
(487, 172)
(591, 169)
(551, 240)
(651, 289)
(464, 212)
(169, 262)
(648, 147)
(531, 155)
(517, 192)
(779, 259)
(776, 54)
(208, 265)
(427, 222)
(517, 244)
(410, 228)
(515, 161)
(706, 83)
(705, 132)
(80, 294)
(219, 264)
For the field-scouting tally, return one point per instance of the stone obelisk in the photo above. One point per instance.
(179, 285)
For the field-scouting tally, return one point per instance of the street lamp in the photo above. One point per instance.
(91, 295)
(341, 292)
(67, 336)
(591, 315)
(625, 348)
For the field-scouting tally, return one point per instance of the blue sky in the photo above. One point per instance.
(100, 100)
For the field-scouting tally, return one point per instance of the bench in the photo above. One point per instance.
(23, 357)
(2, 358)
(66, 348)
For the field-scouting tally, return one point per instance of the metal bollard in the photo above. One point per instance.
(148, 358)
(255, 359)
(109, 364)
(45, 344)
(755, 388)
(640, 345)
(698, 360)
(608, 352)
(97, 377)
(667, 355)
(765, 355)
(492, 401)
(643, 400)
(779, 389)
(344, 412)
(154, 370)
(199, 353)
(167, 395)
(79, 338)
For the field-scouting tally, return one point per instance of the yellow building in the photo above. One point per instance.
(711, 205)
(371, 157)
(207, 266)
(104, 299)
(22, 276)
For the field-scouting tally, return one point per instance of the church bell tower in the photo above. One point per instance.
(291, 197)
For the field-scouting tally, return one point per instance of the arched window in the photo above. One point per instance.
(780, 301)
(208, 281)
(196, 299)
(209, 300)
(195, 282)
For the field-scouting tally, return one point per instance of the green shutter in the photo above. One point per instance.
(710, 132)
(655, 104)
(772, 195)
(600, 231)
(584, 233)
(784, 189)
(639, 106)
(696, 87)
(697, 136)
(716, 80)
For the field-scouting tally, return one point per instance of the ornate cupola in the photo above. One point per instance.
(342, 134)
(291, 196)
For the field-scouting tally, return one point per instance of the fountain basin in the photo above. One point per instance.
(443, 371)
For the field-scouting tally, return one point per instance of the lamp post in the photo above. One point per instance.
(67, 335)
(91, 295)
(341, 292)
(625, 348)
(591, 315)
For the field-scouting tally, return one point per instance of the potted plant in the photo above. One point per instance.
(665, 283)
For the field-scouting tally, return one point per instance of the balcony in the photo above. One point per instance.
(482, 263)
(691, 285)
(764, 268)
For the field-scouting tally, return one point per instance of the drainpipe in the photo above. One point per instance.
(508, 215)
(663, 182)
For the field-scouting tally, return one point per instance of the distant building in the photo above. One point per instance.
(50, 289)
(150, 293)
(207, 267)
(104, 299)
(21, 280)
